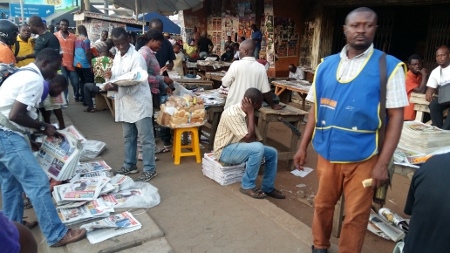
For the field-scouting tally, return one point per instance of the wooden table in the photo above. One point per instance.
(214, 109)
(191, 83)
(284, 89)
(290, 114)
(216, 77)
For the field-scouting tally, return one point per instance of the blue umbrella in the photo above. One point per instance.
(168, 25)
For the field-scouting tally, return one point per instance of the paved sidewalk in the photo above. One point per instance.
(195, 214)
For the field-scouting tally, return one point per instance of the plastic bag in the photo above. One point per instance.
(180, 90)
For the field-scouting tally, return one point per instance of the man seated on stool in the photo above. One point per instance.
(439, 79)
(295, 73)
(236, 143)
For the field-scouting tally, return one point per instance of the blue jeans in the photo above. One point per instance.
(74, 80)
(143, 128)
(20, 172)
(252, 154)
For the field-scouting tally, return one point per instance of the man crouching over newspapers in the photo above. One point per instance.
(20, 172)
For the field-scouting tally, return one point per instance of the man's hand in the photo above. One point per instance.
(50, 130)
(169, 90)
(108, 74)
(277, 107)
(167, 80)
(20, 58)
(300, 158)
(170, 65)
(424, 72)
(380, 175)
(247, 106)
(35, 146)
(429, 94)
(161, 70)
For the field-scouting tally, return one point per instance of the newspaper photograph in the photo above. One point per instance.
(84, 189)
(58, 156)
(114, 225)
(92, 209)
(92, 166)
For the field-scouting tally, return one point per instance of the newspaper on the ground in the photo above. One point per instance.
(83, 189)
(74, 131)
(92, 149)
(394, 219)
(134, 195)
(130, 78)
(382, 228)
(59, 157)
(92, 209)
(114, 225)
(92, 166)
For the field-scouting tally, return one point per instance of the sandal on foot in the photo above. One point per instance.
(27, 203)
(161, 150)
(276, 194)
(89, 110)
(254, 193)
(29, 224)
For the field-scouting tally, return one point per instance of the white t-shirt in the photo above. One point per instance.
(299, 74)
(243, 74)
(438, 77)
(25, 87)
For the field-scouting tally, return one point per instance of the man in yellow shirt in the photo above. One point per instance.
(23, 49)
(190, 48)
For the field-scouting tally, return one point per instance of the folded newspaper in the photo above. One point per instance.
(131, 78)
(379, 226)
(59, 157)
(114, 225)
(79, 190)
(90, 210)
(91, 148)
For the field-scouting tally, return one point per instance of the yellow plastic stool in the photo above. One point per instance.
(178, 147)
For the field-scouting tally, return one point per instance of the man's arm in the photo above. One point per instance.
(268, 98)
(393, 131)
(423, 85)
(248, 108)
(300, 155)
(18, 115)
(430, 93)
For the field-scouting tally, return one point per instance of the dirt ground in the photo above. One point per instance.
(298, 199)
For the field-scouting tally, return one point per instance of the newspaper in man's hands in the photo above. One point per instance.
(131, 78)
(59, 157)
(114, 225)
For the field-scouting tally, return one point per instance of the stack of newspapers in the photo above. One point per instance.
(90, 148)
(423, 138)
(59, 157)
(224, 174)
(114, 225)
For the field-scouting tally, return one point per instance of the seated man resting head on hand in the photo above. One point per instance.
(236, 143)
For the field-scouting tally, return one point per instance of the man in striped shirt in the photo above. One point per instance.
(236, 143)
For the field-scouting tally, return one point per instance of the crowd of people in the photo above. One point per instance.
(349, 149)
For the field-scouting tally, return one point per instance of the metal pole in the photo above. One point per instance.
(21, 12)
(106, 6)
(87, 5)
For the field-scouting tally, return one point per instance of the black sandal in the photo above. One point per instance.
(254, 193)
(276, 194)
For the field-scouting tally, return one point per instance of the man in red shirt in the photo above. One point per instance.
(67, 42)
(416, 80)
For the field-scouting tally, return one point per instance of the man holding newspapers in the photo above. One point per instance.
(134, 107)
(20, 172)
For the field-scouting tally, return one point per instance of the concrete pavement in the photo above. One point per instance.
(195, 214)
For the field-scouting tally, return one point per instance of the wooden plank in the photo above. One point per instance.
(100, 103)
(338, 217)
(421, 108)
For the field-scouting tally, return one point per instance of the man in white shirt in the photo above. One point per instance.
(20, 172)
(246, 73)
(295, 73)
(134, 108)
(440, 78)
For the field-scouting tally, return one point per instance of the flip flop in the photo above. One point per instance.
(161, 150)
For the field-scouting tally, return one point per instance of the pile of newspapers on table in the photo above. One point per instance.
(419, 142)
(224, 174)
(91, 193)
(388, 225)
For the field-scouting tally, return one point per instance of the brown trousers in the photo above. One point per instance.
(333, 179)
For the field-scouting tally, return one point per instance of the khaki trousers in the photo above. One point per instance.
(333, 179)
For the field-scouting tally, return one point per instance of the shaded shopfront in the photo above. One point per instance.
(404, 28)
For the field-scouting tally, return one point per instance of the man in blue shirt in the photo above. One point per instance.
(257, 38)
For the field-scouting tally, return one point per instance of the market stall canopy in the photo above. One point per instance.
(57, 16)
(168, 25)
(161, 6)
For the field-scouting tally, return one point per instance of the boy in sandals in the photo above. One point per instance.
(236, 143)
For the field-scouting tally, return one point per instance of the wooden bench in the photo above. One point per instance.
(290, 114)
(421, 106)
(109, 101)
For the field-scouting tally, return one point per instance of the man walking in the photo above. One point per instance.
(67, 42)
(257, 38)
(344, 125)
